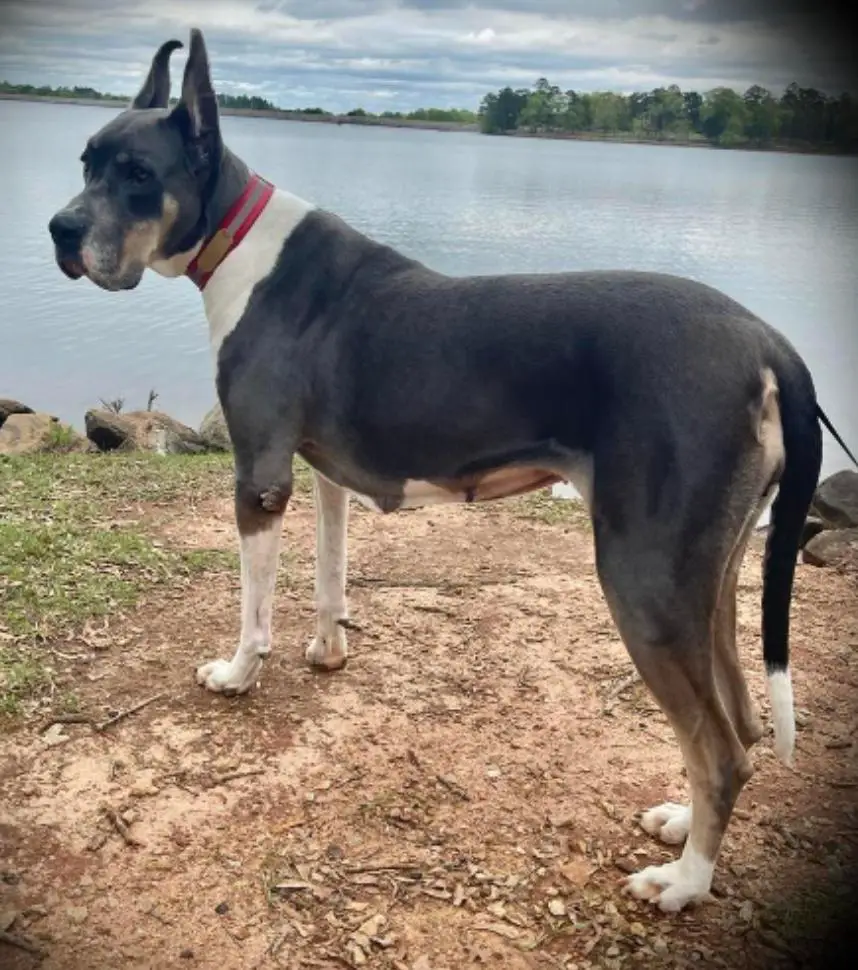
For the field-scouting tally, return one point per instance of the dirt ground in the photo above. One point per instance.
(463, 794)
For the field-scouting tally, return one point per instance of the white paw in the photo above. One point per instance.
(674, 885)
(669, 822)
(230, 676)
(328, 650)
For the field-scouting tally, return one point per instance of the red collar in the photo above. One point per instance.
(234, 226)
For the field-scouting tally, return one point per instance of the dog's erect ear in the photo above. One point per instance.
(155, 92)
(198, 97)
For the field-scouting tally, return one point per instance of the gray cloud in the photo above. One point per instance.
(410, 53)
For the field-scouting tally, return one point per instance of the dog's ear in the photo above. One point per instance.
(155, 92)
(198, 98)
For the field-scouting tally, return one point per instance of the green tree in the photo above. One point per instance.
(500, 112)
(693, 104)
(544, 108)
(722, 116)
(762, 114)
(665, 111)
(577, 115)
(609, 112)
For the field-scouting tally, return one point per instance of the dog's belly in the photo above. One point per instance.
(486, 485)
(502, 483)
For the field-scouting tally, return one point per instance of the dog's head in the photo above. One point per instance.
(148, 175)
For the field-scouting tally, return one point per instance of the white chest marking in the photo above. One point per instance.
(227, 292)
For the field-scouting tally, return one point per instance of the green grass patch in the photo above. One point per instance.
(541, 506)
(72, 548)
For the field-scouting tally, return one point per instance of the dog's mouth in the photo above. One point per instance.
(72, 267)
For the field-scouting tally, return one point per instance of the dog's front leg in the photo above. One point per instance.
(259, 517)
(329, 648)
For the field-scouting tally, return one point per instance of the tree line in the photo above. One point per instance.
(721, 116)
(800, 117)
(245, 102)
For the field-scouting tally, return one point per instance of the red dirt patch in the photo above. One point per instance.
(462, 794)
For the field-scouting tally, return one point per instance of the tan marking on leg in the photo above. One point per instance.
(729, 676)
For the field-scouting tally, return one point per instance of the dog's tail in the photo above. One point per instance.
(802, 440)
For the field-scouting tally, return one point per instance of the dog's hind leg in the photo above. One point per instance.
(663, 595)
(261, 497)
(329, 648)
(668, 629)
(671, 822)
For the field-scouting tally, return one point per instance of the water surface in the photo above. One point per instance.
(777, 232)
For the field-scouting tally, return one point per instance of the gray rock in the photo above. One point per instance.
(214, 432)
(812, 527)
(9, 406)
(834, 547)
(142, 431)
(836, 500)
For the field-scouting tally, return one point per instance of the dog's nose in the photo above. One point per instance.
(67, 228)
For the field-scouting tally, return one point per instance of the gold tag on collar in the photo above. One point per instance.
(218, 246)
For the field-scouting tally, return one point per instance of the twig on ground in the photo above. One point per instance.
(454, 787)
(120, 826)
(628, 681)
(234, 775)
(128, 712)
(65, 719)
(10, 939)
(387, 867)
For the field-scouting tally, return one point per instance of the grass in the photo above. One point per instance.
(542, 506)
(72, 548)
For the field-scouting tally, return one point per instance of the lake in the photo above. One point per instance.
(777, 232)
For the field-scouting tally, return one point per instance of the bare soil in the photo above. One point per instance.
(463, 794)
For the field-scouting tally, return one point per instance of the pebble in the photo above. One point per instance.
(144, 789)
(187, 954)
(222, 908)
(637, 929)
(556, 907)
(77, 914)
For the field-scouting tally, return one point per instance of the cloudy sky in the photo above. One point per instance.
(402, 54)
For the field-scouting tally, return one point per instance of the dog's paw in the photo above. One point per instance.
(328, 651)
(669, 822)
(672, 886)
(229, 677)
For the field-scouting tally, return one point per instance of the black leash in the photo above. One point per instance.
(824, 419)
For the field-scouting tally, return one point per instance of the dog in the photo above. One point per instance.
(678, 415)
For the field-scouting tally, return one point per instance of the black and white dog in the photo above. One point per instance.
(675, 411)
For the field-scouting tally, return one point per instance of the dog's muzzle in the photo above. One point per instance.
(68, 228)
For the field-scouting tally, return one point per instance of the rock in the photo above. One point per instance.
(556, 907)
(214, 432)
(9, 406)
(836, 500)
(836, 547)
(7, 918)
(77, 914)
(31, 434)
(812, 527)
(142, 431)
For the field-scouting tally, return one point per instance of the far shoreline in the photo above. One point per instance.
(454, 126)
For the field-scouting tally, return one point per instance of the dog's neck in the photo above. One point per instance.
(232, 180)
